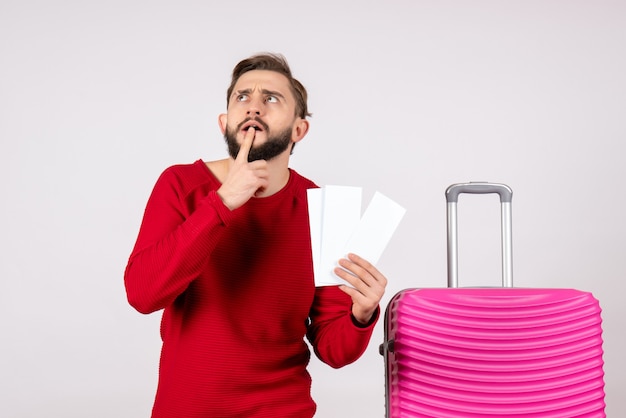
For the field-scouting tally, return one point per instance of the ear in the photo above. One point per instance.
(221, 120)
(300, 128)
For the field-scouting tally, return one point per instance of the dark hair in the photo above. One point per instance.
(271, 62)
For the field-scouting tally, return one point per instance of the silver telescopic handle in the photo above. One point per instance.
(506, 196)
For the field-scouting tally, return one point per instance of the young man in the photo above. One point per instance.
(224, 249)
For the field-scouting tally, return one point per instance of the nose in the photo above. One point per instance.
(255, 107)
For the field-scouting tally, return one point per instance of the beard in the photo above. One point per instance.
(273, 147)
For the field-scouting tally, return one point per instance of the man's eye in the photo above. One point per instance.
(271, 99)
(242, 97)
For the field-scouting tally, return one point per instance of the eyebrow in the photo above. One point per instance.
(264, 91)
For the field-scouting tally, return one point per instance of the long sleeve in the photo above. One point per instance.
(173, 242)
(336, 339)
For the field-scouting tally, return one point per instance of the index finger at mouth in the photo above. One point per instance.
(248, 139)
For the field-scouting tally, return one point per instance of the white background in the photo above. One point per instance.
(97, 98)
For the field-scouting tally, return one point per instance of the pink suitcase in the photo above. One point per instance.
(492, 352)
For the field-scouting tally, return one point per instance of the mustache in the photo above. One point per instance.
(255, 119)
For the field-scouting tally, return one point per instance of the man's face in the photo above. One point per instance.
(261, 99)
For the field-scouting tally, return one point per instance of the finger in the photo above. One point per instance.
(262, 183)
(260, 170)
(353, 293)
(359, 290)
(353, 273)
(352, 279)
(244, 150)
(368, 267)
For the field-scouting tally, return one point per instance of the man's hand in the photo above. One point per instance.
(244, 179)
(368, 286)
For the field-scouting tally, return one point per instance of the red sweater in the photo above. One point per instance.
(238, 292)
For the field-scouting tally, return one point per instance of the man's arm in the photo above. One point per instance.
(171, 246)
(171, 249)
(336, 337)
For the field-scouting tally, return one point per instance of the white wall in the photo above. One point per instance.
(97, 98)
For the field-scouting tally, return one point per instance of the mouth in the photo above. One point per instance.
(258, 125)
